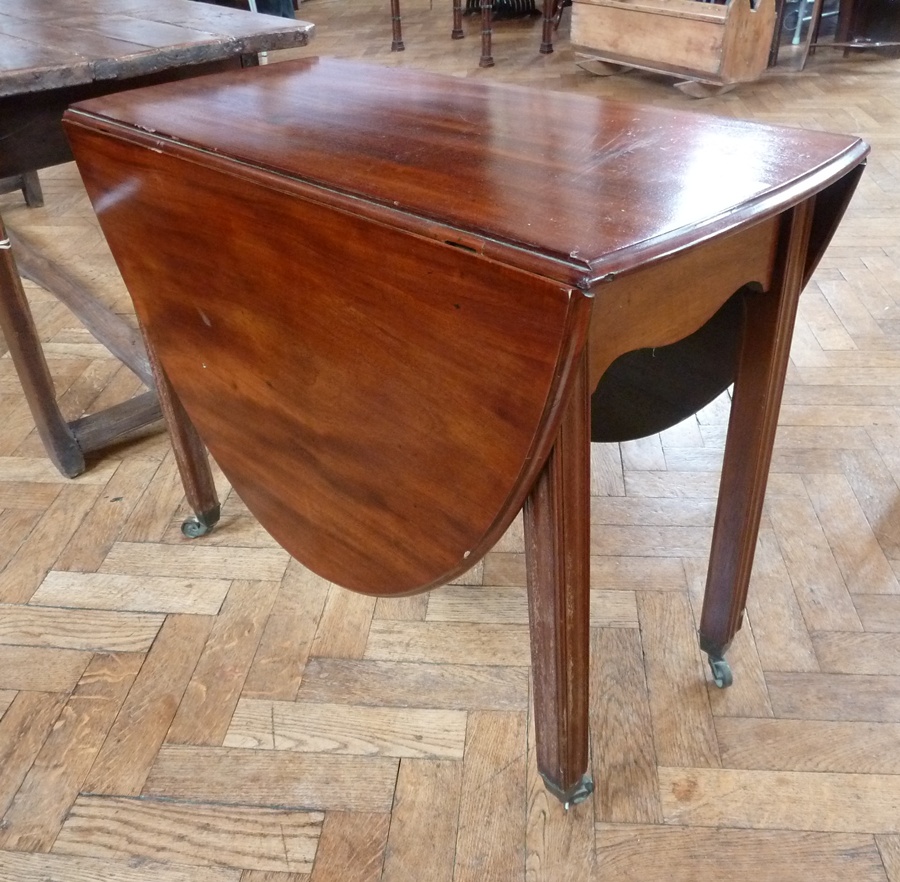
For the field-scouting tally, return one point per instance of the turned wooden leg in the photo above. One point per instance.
(557, 548)
(550, 12)
(457, 33)
(190, 455)
(397, 41)
(21, 336)
(759, 380)
(487, 12)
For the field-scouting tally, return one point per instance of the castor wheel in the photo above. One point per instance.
(201, 524)
(721, 672)
(579, 792)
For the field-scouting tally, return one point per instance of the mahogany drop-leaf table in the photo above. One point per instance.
(389, 302)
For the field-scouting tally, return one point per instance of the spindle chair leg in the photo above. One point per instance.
(549, 25)
(397, 39)
(487, 11)
(457, 33)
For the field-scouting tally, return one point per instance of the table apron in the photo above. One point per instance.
(666, 301)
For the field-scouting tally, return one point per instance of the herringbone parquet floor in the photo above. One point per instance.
(209, 711)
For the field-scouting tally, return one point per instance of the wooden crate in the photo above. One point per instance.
(708, 42)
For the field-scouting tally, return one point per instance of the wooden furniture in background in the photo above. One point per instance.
(54, 52)
(867, 24)
(719, 44)
(30, 185)
(552, 12)
(387, 391)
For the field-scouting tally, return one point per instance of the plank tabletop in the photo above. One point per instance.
(50, 44)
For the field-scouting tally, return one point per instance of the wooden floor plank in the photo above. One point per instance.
(196, 560)
(862, 562)
(38, 469)
(24, 728)
(344, 626)
(672, 483)
(267, 876)
(491, 836)
(449, 643)
(22, 575)
(404, 609)
(166, 594)
(504, 568)
(651, 541)
(150, 517)
(878, 613)
(889, 847)
(41, 669)
(817, 801)
(422, 839)
(835, 697)
(410, 684)
(200, 835)
(311, 727)
(38, 809)
(781, 636)
(274, 778)
(606, 470)
(809, 745)
(624, 757)
(652, 511)
(624, 573)
(816, 578)
(95, 535)
(284, 648)
(641, 455)
(855, 653)
(24, 867)
(94, 630)
(352, 847)
(509, 605)
(16, 526)
(140, 728)
(205, 710)
(876, 490)
(637, 853)
(679, 704)
(608, 572)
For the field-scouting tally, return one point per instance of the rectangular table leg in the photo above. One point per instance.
(190, 454)
(557, 548)
(759, 380)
